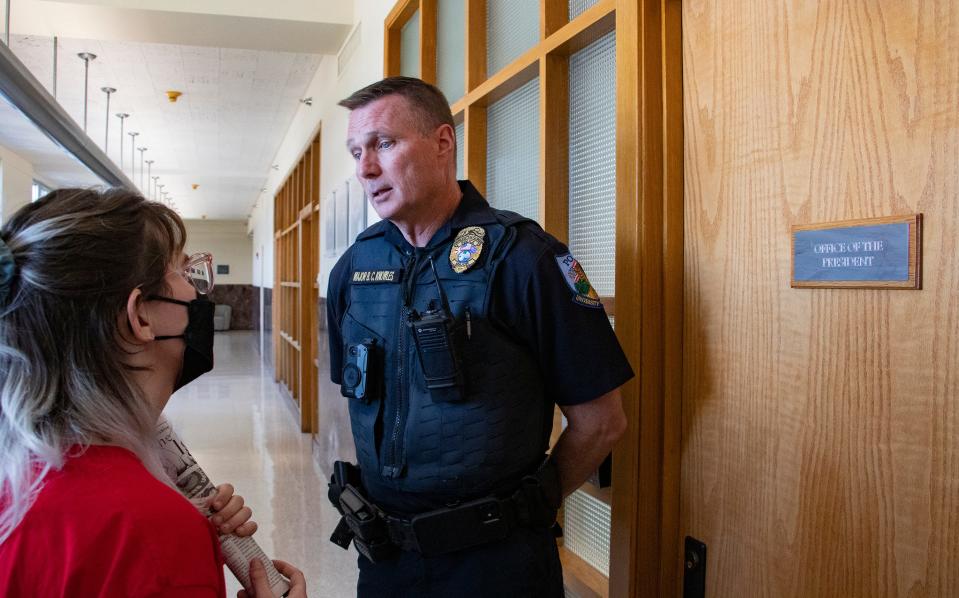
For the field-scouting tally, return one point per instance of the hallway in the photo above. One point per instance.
(242, 430)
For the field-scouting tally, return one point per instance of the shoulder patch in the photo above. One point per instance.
(575, 277)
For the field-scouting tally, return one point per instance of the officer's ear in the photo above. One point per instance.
(445, 138)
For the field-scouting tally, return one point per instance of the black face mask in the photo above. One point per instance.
(198, 336)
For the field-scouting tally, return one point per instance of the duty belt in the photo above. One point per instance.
(377, 534)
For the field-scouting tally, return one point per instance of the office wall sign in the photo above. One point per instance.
(872, 253)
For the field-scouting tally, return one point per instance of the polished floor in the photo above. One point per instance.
(242, 430)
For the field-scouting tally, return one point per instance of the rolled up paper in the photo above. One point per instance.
(195, 485)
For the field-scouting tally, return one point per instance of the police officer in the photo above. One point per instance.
(454, 328)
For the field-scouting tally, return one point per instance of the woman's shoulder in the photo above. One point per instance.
(113, 480)
(101, 474)
(104, 512)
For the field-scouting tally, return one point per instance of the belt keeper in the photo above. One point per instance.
(528, 500)
(537, 511)
(401, 534)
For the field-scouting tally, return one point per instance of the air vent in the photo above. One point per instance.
(348, 50)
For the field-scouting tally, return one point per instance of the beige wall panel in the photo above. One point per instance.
(229, 243)
(820, 427)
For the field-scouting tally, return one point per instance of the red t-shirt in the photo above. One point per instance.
(103, 526)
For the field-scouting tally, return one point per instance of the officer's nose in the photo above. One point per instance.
(368, 167)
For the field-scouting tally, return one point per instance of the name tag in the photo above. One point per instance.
(377, 276)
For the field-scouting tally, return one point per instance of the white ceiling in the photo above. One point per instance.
(46, 17)
(283, 25)
(222, 134)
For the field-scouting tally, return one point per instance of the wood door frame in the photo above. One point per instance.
(645, 552)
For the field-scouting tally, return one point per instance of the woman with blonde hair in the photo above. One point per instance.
(102, 318)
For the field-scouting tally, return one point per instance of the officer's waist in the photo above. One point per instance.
(456, 525)
(404, 504)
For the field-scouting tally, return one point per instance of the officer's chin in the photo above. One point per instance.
(386, 208)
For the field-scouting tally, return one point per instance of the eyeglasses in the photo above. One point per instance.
(198, 271)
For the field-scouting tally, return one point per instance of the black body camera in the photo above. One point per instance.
(360, 379)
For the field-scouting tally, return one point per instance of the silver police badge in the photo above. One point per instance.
(466, 248)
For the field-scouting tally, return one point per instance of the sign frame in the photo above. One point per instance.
(914, 282)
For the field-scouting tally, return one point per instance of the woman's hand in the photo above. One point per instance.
(229, 514)
(261, 586)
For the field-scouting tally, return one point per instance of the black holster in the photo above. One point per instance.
(362, 522)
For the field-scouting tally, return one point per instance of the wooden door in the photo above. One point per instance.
(820, 450)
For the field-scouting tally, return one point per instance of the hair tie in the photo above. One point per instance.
(8, 269)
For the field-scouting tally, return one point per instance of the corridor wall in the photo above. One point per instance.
(334, 80)
(230, 245)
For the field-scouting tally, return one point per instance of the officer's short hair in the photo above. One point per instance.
(428, 102)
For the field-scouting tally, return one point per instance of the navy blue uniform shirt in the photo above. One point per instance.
(533, 302)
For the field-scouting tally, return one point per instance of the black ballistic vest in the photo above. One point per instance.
(407, 442)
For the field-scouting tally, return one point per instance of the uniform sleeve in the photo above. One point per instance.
(336, 306)
(571, 336)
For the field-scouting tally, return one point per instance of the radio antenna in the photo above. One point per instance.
(439, 287)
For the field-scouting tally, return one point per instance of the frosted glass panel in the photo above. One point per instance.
(578, 7)
(592, 235)
(460, 151)
(512, 27)
(592, 161)
(586, 529)
(512, 151)
(410, 47)
(451, 48)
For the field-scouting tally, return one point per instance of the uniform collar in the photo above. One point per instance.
(473, 210)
